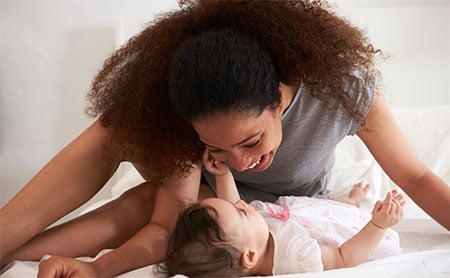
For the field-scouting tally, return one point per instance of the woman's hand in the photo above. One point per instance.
(61, 267)
(215, 167)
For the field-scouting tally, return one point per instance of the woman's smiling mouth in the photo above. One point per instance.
(254, 164)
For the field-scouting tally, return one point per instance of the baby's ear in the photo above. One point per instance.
(249, 259)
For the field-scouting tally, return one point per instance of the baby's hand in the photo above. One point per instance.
(215, 167)
(388, 212)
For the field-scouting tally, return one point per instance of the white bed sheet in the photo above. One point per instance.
(425, 244)
(426, 253)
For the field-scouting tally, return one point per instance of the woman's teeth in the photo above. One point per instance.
(254, 164)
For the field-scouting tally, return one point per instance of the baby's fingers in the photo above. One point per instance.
(387, 203)
(377, 207)
(393, 207)
(398, 210)
(399, 197)
(208, 161)
(205, 156)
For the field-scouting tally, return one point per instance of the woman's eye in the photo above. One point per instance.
(243, 211)
(214, 150)
(253, 144)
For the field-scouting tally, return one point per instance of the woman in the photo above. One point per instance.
(269, 87)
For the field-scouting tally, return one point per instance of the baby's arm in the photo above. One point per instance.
(225, 185)
(386, 213)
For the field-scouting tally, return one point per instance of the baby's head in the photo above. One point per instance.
(216, 238)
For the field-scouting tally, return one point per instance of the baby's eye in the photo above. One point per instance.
(243, 211)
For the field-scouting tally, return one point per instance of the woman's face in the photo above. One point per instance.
(246, 141)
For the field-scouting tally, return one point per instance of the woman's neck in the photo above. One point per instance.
(265, 262)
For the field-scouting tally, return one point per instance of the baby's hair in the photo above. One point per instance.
(199, 248)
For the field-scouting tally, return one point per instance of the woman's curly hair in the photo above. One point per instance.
(307, 42)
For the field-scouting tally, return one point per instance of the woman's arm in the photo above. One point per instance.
(149, 245)
(68, 180)
(358, 248)
(146, 247)
(390, 148)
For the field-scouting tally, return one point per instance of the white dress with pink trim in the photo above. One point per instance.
(299, 224)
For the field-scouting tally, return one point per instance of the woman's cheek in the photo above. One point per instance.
(219, 157)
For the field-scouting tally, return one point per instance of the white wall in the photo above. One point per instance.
(416, 33)
(50, 50)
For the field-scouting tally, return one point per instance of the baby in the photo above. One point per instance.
(226, 237)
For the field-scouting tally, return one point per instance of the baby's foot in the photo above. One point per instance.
(358, 193)
(399, 197)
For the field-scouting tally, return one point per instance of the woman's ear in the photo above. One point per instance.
(249, 259)
(287, 94)
(280, 91)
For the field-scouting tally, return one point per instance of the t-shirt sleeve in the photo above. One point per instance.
(363, 91)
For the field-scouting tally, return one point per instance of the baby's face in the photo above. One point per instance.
(241, 222)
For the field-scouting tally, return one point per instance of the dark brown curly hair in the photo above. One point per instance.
(307, 43)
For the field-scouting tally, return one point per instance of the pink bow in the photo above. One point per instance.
(275, 212)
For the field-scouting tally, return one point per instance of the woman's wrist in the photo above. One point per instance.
(99, 268)
(107, 266)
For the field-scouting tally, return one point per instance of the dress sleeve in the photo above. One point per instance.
(308, 254)
(295, 250)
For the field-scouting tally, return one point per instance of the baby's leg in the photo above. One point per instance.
(356, 196)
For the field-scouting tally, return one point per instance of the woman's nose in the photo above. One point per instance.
(239, 162)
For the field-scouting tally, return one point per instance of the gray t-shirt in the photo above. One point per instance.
(302, 164)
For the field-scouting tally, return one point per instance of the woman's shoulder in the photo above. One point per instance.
(99, 132)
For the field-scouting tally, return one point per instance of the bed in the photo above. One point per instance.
(425, 244)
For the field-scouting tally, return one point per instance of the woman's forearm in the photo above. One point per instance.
(65, 183)
(432, 194)
(147, 247)
(391, 149)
